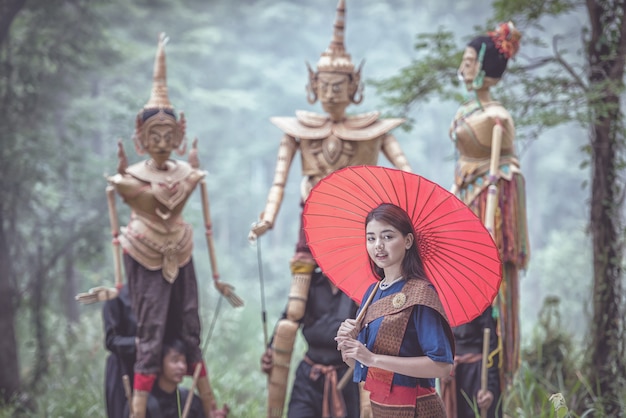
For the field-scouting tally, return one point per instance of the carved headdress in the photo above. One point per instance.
(158, 110)
(335, 59)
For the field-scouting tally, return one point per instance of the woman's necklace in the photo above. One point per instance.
(384, 285)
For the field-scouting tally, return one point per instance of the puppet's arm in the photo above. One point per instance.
(103, 293)
(492, 196)
(225, 289)
(395, 155)
(286, 152)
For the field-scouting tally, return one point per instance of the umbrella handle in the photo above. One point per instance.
(361, 315)
(483, 369)
(346, 377)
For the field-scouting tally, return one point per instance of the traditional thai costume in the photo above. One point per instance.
(405, 320)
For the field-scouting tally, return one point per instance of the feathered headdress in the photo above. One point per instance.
(506, 39)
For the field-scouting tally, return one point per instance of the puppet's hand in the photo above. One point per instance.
(484, 399)
(267, 361)
(258, 229)
(228, 292)
(97, 294)
(221, 413)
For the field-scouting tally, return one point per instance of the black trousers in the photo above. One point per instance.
(307, 395)
(468, 383)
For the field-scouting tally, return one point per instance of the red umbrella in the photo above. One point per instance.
(459, 255)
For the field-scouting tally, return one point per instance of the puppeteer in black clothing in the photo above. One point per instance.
(162, 404)
(120, 328)
(167, 398)
(327, 307)
(466, 379)
(170, 405)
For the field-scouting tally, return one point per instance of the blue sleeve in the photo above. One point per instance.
(430, 327)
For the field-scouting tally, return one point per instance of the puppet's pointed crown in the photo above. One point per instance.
(335, 58)
(158, 96)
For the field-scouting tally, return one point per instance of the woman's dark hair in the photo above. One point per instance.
(494, 62)
(173, 344)
(499, 46)
(412, 266)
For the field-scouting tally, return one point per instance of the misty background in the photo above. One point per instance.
(231, 65)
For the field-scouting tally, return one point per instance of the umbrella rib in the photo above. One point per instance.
(426, 222)
(488, 253)
(340, 197)
(460, 257)
(376, 192)
(329, 266)
(473, 281)
(446, 296)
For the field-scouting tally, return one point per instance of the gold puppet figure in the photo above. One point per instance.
(157, 243)
(327, 142)
(488, 177)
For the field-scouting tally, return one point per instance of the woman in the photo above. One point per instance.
(483, 133)
(401, 340)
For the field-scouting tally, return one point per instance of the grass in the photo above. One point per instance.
(549, 384)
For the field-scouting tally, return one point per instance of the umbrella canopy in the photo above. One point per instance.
(460, 258)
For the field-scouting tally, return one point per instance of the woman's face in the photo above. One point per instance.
(174, 367)
(469, 65)
(386, 245)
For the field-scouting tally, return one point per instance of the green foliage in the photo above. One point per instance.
(550, 382)
(552, 349)
(429, 74)
(530, 11)
(542, 93)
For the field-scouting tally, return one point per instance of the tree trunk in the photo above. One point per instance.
(9, 365)
(38, 289)
(70, 289)
(607, 50)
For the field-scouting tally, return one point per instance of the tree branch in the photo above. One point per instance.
(564, 64)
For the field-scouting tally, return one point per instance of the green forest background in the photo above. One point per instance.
(81, 71)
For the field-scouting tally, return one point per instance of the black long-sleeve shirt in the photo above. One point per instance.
(323, 315)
